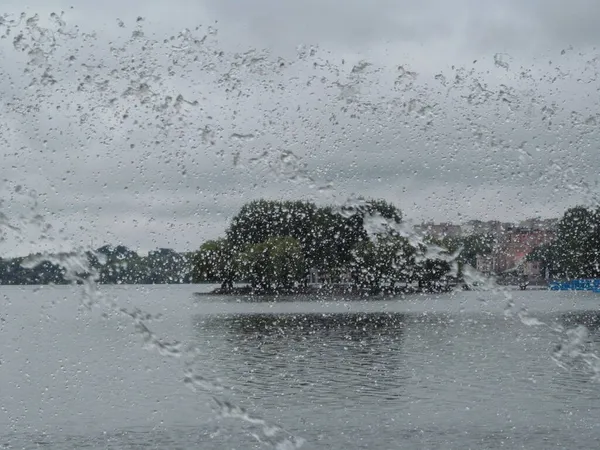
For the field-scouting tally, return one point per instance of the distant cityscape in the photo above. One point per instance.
(513, 242)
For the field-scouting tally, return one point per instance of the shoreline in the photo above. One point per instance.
(327, 289)
(350, 291)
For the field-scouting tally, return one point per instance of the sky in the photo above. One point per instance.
(151, 123)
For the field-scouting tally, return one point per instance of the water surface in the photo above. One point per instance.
(446, 371)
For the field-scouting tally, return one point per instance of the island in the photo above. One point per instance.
(294, 247)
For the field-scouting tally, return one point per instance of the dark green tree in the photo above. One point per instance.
(274, 265)
(366, 216)
(325, 237)
(382, 262)
(468, 247)
(217, 260)
(430, 273)
(576, 251)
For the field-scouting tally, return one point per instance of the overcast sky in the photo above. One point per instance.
(152, 132)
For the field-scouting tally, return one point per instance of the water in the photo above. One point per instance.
(445, 371)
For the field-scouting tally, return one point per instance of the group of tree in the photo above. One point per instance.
(14, 272)
(122, 265)
(575, 253)
(466, 249)
(112, 265)
(274, 245)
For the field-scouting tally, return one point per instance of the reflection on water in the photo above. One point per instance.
(421, 373)
(449, 379)
(324, 358)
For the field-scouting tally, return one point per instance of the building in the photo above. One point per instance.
(440, 230)
(513, 247)
(516, 243)
(539, 224)
(494, 227)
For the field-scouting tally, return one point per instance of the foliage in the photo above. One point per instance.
(325, 237)
(277, 242)
(121, 265)
(364, 214)
(13, 273)
(576, 251)
(216, 261)
(271, 244)
(276, 264)
(384, 261)
(469, 247)
(115, 265)
(430, 272)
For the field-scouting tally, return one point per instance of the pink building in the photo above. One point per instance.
(513, 247)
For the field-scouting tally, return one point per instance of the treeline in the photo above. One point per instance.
(467, 248)
(115, 265)
(275, 245)
(575, 253)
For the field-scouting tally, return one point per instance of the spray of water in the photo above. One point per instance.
(79, 271)
(141, 98)
(573, 343)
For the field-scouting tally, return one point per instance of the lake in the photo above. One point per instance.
(448, 371)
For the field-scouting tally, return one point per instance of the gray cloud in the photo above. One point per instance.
(152, 135)
(460, 26)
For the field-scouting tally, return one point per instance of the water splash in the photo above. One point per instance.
(572, 348)
(573, 351)
(274, 436)
(79, 271)
(115, 91)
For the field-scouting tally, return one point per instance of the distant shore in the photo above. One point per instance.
(351, 290)
(329, 289)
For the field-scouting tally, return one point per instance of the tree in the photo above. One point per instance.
(400, 258)
(217, 260)
(366, 267)
(576, 251)
(470, 247)
(116, 254)
(114, 264)
(161, 266)
(383, 208)
(364, 213)
(274, 265)
(383, 261)
(260, 220)
(430, 272)
(547, 257)
(331, 240)
(325, 237)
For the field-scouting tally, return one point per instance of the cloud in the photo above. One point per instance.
(155, 133)
(464, 26)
